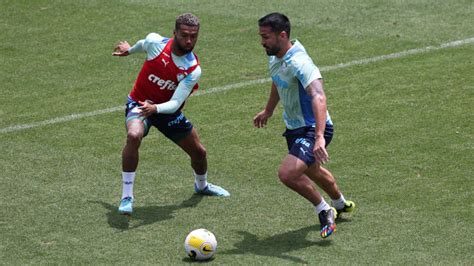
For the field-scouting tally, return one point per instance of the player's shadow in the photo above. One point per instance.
(278, 245)
(147, 214)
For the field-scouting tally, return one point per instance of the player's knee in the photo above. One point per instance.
(134, 137)
(284, 175)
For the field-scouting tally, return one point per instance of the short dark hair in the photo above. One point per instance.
(187, 19)
(277, 22)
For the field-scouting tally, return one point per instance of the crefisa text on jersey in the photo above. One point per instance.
(163, 84)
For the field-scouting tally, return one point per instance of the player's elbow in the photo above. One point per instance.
(321, 98)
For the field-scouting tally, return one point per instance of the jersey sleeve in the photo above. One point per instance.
(137, 47)
(304, 69)
(153, 44)
(181, 93)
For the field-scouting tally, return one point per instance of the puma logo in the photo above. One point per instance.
(303, 151)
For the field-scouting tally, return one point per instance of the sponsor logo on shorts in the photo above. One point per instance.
(177, 120)
(303, 142)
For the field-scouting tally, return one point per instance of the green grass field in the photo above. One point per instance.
(403, 147)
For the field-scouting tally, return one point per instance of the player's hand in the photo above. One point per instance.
(260, 120)
(147, 108)
(319, 150)
(121, 49)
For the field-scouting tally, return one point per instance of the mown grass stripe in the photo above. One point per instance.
(245, 84)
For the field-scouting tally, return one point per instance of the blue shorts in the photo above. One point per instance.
(174, 126)
(301, 142)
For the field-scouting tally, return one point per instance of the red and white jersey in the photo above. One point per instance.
(160, 76)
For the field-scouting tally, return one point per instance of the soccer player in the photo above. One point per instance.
(297, 82)
(168, 77)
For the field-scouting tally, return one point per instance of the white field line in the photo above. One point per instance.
(246, 83)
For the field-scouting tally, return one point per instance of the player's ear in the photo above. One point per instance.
(283, 35)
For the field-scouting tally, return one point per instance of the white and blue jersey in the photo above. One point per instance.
(292, 74)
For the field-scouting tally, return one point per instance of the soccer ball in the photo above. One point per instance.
(200, 244)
